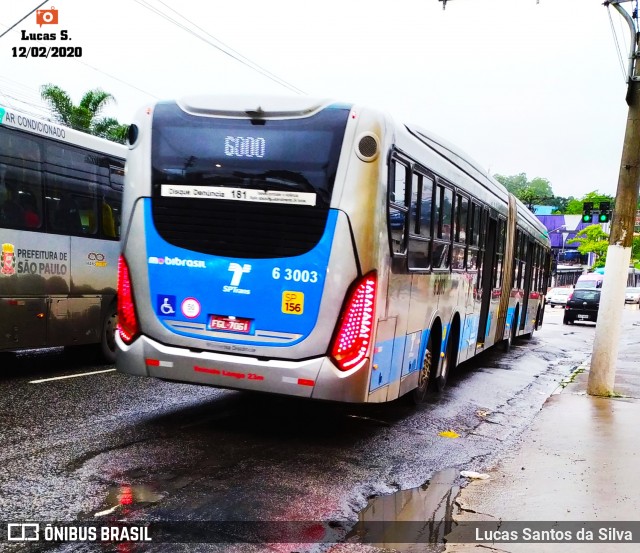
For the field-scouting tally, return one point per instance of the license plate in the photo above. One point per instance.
(583, 316)
(230, 324)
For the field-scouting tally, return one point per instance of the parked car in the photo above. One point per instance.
(582, 305)
(632, 295)
(558, 296)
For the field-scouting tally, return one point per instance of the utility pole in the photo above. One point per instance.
(608, 329)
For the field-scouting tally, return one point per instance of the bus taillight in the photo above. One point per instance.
(354, 334)
(127, 321)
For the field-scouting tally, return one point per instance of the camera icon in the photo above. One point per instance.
(47, 17)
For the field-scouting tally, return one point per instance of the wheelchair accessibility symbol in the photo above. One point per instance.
(166, 305)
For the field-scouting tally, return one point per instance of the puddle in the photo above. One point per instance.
(411, 521)
(125, 497)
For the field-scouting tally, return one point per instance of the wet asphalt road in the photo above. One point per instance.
(73, 448)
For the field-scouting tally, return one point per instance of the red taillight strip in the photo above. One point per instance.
(354, 335)
(127, 320)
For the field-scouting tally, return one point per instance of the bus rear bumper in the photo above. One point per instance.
(316, 378)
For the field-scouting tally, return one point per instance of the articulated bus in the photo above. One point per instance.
(60, 209)
(315, 249)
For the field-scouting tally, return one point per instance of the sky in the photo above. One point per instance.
(523, 86)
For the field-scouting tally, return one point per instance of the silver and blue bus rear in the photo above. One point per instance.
(250, 253)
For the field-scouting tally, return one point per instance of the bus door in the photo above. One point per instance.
(528, 280)
(486, 281)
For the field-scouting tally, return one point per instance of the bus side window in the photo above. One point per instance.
(66, 218)
(110, 212)
(72, 200)
(108, 223)
(399, 186)
(420, 229)
(460, 236)
(443, 212)
(474, 236)
(20, 190)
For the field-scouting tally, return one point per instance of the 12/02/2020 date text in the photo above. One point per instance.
(47, 52)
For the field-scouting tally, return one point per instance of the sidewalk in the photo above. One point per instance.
(579, 461)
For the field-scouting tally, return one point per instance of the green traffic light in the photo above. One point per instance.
(586, 218)
(604, 218)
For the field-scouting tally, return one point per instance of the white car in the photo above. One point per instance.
(632, 295)
(558, 296)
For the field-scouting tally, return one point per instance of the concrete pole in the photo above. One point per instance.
(608, 329)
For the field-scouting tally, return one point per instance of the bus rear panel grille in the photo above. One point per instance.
(239, 229)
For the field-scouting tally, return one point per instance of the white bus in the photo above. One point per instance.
(315, 249)
(60, 214)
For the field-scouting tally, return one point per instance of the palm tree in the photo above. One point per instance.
(85, 116)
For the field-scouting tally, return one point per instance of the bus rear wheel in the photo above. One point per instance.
(425, 376)
(448, 361)
(108, 341)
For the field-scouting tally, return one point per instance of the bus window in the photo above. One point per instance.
(472, 238)
(72, 203)
(447, 214)
(442, 227)
(20, 197)
(398, 208)
(419, 241)
(460, 233)
(414, 225)
(426, 204)
(110, 207)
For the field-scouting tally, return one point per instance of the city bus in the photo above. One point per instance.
(315, 249)
(60, 216)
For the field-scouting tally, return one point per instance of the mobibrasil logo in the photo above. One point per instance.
(177, 262)
(2, 112)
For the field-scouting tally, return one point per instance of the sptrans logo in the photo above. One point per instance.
(237, 270)
(177, 262)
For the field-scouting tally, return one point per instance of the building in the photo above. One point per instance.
(568, 263)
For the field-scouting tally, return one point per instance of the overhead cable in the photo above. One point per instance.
(221, 46)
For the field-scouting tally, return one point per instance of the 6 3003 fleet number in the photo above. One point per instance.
(295, 275)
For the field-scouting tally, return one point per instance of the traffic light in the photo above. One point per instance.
(605, 212)
(587, 215)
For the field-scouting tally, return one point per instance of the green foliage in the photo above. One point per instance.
(85, 116)
(559, 203)
(535, 192)
(635, 252)
(574, 207)
(592, 239)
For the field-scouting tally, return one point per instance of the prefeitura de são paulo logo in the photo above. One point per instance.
(8, 260)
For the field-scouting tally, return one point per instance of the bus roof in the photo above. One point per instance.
(49, 129)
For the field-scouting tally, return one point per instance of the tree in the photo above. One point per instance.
(530, 193)
(84, 116)
(574, 207)
(560, 203)
(592, 239)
